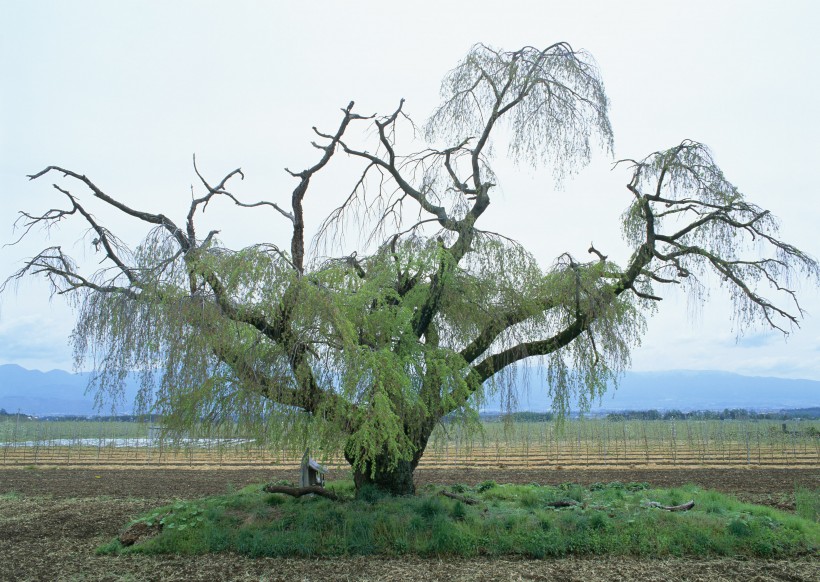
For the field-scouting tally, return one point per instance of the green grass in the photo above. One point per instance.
(807, 503)
(609, 519)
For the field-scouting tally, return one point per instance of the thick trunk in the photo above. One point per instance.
(393, 478)
(397, 480)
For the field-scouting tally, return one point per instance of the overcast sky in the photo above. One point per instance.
(126, 92)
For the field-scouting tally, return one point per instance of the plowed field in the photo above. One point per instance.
(52, 519)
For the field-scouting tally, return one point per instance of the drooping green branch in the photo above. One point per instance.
(723, 228)
(373, 345)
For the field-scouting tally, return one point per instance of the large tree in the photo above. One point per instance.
(371, 349)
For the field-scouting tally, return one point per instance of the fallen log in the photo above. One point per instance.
(682, 507)
(462, 498)
(299, 491)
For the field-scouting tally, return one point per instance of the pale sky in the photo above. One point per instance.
(125, 92)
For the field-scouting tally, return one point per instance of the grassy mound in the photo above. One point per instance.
(489, 519)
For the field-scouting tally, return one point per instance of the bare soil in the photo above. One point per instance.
(51, 521)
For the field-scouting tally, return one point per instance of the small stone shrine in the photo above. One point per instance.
(312, 473)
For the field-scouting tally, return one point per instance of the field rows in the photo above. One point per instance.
(732, 454)
(656, 457)
(578, 443)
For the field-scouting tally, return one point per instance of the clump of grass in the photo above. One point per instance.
(606, 519)
(485, 486)
(370, 493)
(430, 507)
(573, 491)
(459, 511)
(807, 503)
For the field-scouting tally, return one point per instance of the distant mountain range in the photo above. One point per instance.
(54, 393)
(62, 393)
(686, 390)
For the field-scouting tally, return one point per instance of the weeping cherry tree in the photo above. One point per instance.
(370, 348)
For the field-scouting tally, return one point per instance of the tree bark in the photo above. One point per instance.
(396, 477)
(397, 480)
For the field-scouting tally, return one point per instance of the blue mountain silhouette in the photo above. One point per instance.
(58, 392)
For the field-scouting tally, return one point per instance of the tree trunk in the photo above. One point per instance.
(397, 480)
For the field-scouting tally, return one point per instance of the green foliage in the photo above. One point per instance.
(459, 511)
(739, 527)
(485, 486)
(430, 507)
(428, 314)
(611, 519)
(573, 491)
(386, 379)
(370, 493)
(807, 503)
(559, 96)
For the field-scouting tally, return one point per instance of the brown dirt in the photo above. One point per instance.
(52, 520)
(156, 483)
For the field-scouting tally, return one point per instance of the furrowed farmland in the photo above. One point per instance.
(67, 487)
(580, 443)
(347, 292)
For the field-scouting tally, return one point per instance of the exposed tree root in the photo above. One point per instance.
(562, 503)
(463, 499)
(683, 507)
(299, 491)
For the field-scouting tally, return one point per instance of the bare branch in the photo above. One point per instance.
(592, 250)
(158, 219)
(298, 239)
(373, 347)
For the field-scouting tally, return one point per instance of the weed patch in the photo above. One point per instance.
(807, 503)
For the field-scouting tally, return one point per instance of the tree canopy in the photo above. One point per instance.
(371, 348)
